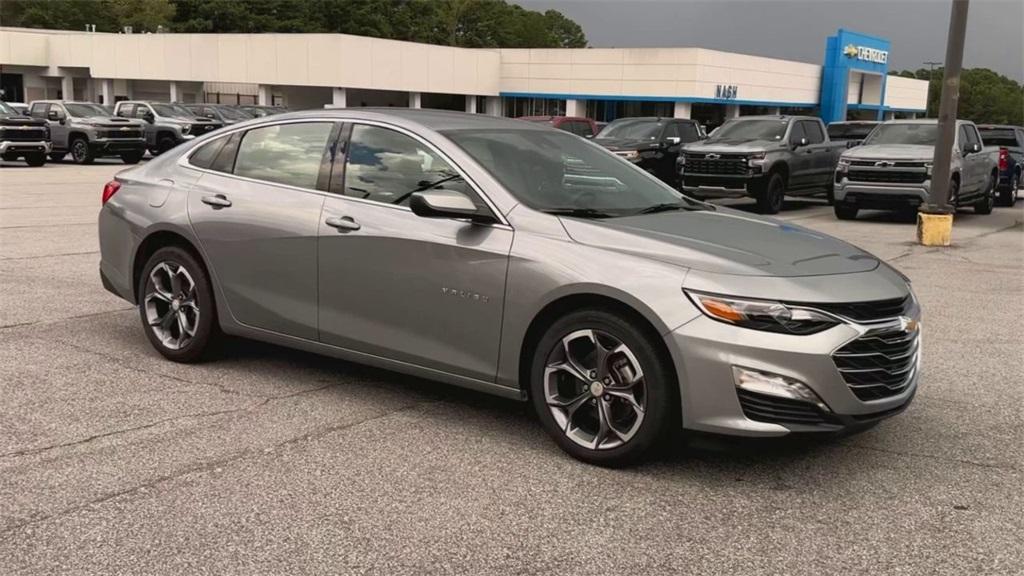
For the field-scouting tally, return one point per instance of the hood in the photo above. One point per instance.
(625, 143)
(724, 241)
(727, 146)
(108, 120)
(891, 152)
(21, 121)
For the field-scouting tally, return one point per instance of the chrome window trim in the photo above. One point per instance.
(183, 162)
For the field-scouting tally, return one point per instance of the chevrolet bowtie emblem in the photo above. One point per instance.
(850, 51)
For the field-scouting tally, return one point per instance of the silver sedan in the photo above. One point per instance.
(513, 259)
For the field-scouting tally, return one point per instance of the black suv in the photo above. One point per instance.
(651, 143)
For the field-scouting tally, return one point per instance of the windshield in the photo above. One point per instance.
(172, 110)
(7, 110)
(895, 133)
(85, 110)
(747, 130)
(849, 131)
(632, 130)
(233, 113)
(998, 137)
(557, 171)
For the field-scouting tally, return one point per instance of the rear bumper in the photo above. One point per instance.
(15, 147)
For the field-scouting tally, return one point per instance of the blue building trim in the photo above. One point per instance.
(569, 96)
(845, 52)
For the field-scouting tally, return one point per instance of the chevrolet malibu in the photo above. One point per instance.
(513, 259)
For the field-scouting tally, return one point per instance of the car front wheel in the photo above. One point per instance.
(770, 199)
(176, 305)
(601, 388)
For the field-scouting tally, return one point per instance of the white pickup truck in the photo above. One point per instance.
(892, 170)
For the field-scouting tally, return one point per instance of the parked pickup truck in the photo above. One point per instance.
(22, 136)
(1008, 141)
(651, 143)
(764, 157)
(166, 125)
(88, 131)
(892, 169)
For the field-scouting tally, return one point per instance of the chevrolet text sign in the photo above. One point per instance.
(866, 54)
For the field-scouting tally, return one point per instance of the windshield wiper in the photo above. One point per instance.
(578, 212)
(671, 206)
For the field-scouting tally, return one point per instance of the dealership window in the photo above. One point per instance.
(387, 166)
(608, 110)
(516, 107)
(284, 153)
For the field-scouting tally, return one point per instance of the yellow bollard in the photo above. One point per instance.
(934, 229)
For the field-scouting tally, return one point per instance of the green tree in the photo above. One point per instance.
(106, 15)
(986, 97)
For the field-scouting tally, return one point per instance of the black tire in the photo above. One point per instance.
(770, 198)
(658, 386)
(954, 194)
(131, 157)
(206, 329)
(36, 159)
(830, 194)
(80, 151)
(1008, 197)
(845, 211)
(164, 144)
(57, 156)
(988, 200)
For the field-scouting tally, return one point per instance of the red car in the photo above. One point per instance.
(584, 127)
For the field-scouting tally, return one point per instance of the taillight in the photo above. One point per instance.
(1004, 159)
(109, 189)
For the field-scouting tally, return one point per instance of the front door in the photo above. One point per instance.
(420, 290)
(258, 223)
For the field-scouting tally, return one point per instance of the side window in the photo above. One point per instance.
(284, 153)
(126, 110)
(583, 129)
(962, 136)
(688, 132)
(38, 110)
(812, 131)
(225, 161)
(387, 166)
(796, 133)
(972, 133)
(671, 131)
(207, 153)
(140, 110)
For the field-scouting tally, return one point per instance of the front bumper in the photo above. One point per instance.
(706, 354)
(102, 146)
(881, 195)
(16, 147)
(721, 186)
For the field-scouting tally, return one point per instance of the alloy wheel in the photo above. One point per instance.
(595, 389)
(80, 150)
(172, 308)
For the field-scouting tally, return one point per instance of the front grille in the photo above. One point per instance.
(870, 311)
(118, 133)
(771, 409)
(204, 128)
(879, 365)
(888, 175)
(874, 164)
(724, 164)
(23, 134)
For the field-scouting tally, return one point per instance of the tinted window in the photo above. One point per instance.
(812, 130)
(207, 153)
(904, 133)
(387, 166)
(797, 133)
(972, 135)
(284, 153)
(581, 128)
(632, 129)
(998, 136)
(38, 110)
(747, 130)
(225, 161)
(126, 110)
(141, 110)
(671, 131)
(688, 132)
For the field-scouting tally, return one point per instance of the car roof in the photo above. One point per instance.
(854, 122)
(1000, 126)
(437, 120)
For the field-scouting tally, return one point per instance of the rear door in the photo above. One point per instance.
(427, 291)
(256, 211)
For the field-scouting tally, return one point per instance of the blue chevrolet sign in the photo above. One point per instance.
(845, 52)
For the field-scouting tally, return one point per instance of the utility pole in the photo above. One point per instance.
(935, 222)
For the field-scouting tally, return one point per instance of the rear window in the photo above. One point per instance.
(998, 137)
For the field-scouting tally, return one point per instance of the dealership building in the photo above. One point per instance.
(316, 70)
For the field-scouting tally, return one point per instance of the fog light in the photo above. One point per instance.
(776, 385)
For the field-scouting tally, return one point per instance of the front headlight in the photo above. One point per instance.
(762, 314)
(756, 160)
(844, 164)
(186, 128)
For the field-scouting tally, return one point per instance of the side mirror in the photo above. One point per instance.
(673, 140)
(55, 116)
(446, 204)
(975, 148)
(802, 142)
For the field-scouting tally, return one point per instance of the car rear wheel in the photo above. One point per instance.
(769, 201)
(601, 389)
(176, 305)
(845, 211)
(57, 156)
(164, 144)
(1009, 196)
(988, 199)
(80, 152)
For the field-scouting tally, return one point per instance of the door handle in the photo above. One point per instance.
(218, 201)
(343, 223)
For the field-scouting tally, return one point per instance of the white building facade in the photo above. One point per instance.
(315, 70)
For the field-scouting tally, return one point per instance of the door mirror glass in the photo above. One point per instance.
(55, 115)
(446, 204)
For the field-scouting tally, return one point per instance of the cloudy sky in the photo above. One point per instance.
(796, 29)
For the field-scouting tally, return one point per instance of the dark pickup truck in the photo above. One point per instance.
(23, 137)
(1010, 143)
(651, 143)
(763, 157)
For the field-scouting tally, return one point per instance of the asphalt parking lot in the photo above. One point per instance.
(267, 460)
